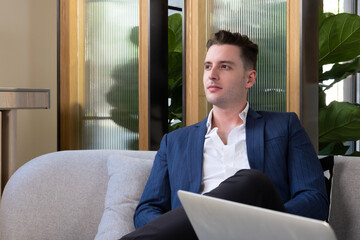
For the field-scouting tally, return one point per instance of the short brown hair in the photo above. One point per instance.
(249, 49)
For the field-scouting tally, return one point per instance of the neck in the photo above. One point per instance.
(228, 115)
(226, 120)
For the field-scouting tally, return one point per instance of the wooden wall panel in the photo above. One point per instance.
(293, 57)
(143, 76)
(196, 106)
(68, 75)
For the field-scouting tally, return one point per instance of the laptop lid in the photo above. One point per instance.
(215, 219)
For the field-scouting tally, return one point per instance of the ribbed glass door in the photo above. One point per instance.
(264, 22)
(110, 112)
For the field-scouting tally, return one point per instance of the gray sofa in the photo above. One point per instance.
(63, 195)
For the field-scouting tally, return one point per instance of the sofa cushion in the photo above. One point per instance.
(127, 179)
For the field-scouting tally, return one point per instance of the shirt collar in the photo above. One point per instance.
(242, 115)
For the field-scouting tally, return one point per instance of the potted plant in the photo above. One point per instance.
(339, 44)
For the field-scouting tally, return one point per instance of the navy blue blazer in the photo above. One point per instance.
(277, 145)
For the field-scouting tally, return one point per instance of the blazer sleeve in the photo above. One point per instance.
(156, 198)
(306, 178)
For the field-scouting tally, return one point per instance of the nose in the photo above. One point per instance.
(214, 73)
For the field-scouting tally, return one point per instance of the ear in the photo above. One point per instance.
(251, 76)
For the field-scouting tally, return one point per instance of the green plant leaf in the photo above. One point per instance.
(175, 24)
(322, 16)
(123, 97)
(124, 119)
(175, 71)
(340, 71)
(134, 35)
(339, 121)
(171, 40)
(174, 65)
(339, 38)
(126, 73)
(332, 148)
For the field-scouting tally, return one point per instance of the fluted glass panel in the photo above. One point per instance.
(110, 109)
(264, 21)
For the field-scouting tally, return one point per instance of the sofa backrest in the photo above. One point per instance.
(58, 195)
(61, 196)
(344, 214)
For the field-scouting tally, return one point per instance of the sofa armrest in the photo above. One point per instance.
(58, 195)
(345, 198)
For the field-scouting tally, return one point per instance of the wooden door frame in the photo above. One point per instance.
(71, 68)
(71, 73)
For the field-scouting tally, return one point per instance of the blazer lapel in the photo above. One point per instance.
(196, 148)
(255, 125)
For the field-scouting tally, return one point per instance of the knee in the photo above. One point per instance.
(254, 178)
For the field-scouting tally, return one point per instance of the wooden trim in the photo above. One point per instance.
(293, 57)
(196, 109)
(143, 76)
(81, 68)
(69, 108)
(72, 73)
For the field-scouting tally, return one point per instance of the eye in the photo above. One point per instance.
(207, 66)
(224, 66)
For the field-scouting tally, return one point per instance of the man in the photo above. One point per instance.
(259, 158)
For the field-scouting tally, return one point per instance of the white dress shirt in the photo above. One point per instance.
(222, 161)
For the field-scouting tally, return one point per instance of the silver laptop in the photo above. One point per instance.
(217, 219)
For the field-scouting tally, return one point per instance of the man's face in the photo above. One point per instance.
(226, 81)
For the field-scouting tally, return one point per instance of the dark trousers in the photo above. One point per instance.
(246, 186)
